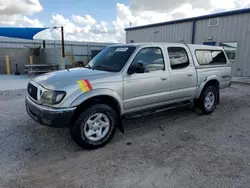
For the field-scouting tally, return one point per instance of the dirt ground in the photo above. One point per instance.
(176, 148)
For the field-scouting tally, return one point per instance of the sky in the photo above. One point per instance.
(103, 20)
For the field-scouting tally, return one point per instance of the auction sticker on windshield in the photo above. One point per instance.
(121, 49)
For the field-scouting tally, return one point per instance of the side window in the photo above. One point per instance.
(178, 58)
(150, 58)
(210, 57)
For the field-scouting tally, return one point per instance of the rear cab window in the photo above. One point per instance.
(178, 58)
(211, 57)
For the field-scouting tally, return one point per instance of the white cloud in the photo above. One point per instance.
(55, 33)
(83, 20)
(156, 5)
(12, 13)
(219, 4)
(19, 21)
(169, 5)
(13, 7)
(87, 28)
(98, 33)
(58, 20)
(187, 10)
(27, 22)
(8, 20)
(102, 27)
(126, 17)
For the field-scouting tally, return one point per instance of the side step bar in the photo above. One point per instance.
(157, 110)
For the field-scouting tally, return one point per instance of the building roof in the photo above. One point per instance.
(220, 14)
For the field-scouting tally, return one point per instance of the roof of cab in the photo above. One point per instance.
(143, 44)
(191, 46)
(128, 45)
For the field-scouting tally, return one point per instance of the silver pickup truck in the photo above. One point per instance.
(125, 80)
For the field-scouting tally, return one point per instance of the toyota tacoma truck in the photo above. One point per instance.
(125, 80)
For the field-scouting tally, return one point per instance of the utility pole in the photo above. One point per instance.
(63, 50)
(62, 64)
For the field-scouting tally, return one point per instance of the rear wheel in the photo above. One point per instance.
(95, 126)
(208, 100)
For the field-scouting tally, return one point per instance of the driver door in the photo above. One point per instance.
(149, 88)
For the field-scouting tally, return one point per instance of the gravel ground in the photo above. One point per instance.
(176, 148)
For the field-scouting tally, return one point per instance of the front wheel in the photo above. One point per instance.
(208, 100)
(95, 126)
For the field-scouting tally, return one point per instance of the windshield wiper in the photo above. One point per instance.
(89, 67)
(100, 67)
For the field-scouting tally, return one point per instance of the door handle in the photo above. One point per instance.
(164, 78)
(190, 74)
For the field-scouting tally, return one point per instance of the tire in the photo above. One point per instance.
(87, 124)
(205, 106)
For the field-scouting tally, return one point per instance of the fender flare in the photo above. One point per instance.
(203, 84)
(95, 93)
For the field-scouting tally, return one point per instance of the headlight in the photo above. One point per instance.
(53, 97)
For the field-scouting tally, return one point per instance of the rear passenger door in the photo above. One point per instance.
(183, 79)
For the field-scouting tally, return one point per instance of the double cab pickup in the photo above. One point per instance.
(124, 80)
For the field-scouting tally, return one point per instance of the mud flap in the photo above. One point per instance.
(120, 125)
(218, 98)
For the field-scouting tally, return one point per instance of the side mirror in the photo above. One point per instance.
(136, 68)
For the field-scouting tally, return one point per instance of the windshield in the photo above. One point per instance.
(111, 59)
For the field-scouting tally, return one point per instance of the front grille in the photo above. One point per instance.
(32, 90)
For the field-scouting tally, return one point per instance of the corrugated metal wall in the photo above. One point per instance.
(50, 56)
(19, 51)
(230, 29)
(234, 28)
(168, 33)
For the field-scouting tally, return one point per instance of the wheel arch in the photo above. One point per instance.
(99, 96)
(99, 99)
(212, 81)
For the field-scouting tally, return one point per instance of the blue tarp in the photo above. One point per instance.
(21, 33)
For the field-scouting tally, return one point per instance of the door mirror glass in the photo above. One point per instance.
(136, 68)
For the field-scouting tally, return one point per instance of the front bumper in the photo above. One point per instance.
(49, 116)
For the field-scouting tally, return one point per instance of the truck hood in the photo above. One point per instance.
(60, 80)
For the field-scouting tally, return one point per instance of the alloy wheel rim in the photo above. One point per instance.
(209, 100)
(96, 127)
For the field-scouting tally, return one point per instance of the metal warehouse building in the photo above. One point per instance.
(230, 30)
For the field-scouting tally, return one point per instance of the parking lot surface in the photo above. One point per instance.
(176, 148)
